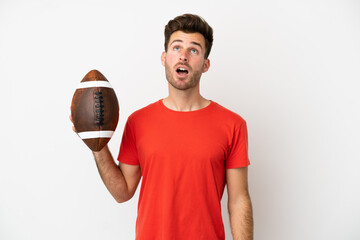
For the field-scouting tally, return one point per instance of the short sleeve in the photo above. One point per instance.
(238, 151)
(128, 152)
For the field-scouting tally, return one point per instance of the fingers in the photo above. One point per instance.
(73, 128)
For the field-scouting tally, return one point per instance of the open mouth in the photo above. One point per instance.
(182, 71)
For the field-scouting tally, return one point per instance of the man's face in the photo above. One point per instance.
(184, 60)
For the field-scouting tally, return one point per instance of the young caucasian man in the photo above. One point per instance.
(185, 148)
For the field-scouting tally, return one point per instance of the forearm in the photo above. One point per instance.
(111, 175)
(241, 219)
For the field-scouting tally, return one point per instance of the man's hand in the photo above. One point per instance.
(73, 128)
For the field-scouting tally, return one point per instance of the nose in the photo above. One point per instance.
(183, 56)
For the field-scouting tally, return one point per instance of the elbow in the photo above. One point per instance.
(122, 199)
(239, 203)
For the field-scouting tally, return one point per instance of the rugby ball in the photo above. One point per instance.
(95, 110)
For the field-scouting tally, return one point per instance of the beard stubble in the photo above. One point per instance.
(192, 82)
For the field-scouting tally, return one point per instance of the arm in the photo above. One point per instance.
(239, 204)
(121, 180)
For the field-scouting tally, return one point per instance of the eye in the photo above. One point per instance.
(176, 48)
(194, 51)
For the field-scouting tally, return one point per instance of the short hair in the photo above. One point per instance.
(190, 23)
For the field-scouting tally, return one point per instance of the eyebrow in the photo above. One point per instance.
(181, 41)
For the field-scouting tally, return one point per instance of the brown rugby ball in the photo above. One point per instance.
(95, 110)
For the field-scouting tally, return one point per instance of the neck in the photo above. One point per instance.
(185, 100)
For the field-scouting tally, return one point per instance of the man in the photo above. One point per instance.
(186, 148)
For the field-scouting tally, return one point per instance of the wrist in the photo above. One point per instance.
(102, 152)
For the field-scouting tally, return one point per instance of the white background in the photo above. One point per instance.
(289, 68)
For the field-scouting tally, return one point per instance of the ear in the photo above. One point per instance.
(163, 57)
(206, 65)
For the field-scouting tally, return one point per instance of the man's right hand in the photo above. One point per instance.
(73, 128)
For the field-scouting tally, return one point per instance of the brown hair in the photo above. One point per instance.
(190, 23)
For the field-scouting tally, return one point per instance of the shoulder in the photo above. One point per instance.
(228, 115)
(146, 111)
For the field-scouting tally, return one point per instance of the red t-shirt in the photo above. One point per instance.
(183, 157)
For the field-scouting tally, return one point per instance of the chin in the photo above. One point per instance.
(183, 85)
